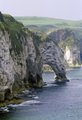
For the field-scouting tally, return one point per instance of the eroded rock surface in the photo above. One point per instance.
(21, 59)
(20, 62)
(54, 57)
(70, 43)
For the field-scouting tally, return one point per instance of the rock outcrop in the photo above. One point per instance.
(20, 65)
(70, 44)
(54, 57)
(1, 17)
(72, 55)
(21, 60)
(6, 67)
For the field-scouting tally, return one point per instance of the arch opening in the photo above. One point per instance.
(48, 73)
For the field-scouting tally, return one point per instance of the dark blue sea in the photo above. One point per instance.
(53, 102)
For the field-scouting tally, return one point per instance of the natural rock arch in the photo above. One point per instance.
(53, 56)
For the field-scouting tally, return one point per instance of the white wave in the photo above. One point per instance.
(51, 85)
(36, 97)
(30, 102)
(13, 105)
(4, 109)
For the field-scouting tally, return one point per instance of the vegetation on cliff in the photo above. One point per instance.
(44, 26)
(49, 21)
(18, 45)
(15, 30)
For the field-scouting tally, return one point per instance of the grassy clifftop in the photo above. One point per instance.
(10, 23)
(15, 31)
(48, 25)
(49, 21)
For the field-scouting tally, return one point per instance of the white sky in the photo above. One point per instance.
(65, 9)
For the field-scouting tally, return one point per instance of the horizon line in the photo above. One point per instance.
(49, 17)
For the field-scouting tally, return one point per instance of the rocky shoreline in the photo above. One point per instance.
(22, 56)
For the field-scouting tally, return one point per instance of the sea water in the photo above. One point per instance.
(53, 102)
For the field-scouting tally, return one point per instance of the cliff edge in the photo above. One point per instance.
(21, 60)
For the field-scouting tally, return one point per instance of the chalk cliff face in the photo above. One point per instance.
(72, 55)
(69, 43)
(6, 65)
(18, 71)
(21, 60)
(54, 57)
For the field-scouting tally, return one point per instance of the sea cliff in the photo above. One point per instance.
(22, 56)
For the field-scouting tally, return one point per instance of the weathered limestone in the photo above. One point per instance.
(21, 59)
(34, 63)
(6, 65)
(53, 56)
(69, 43)
(18, 72)
(72, 55)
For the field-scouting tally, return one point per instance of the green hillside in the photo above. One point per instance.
(48, 21)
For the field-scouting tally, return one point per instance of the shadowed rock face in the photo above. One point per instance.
(34, 65)
(1, 17)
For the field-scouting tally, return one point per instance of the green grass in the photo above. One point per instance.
(48, 21)
(43, 25)
(15, 31)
